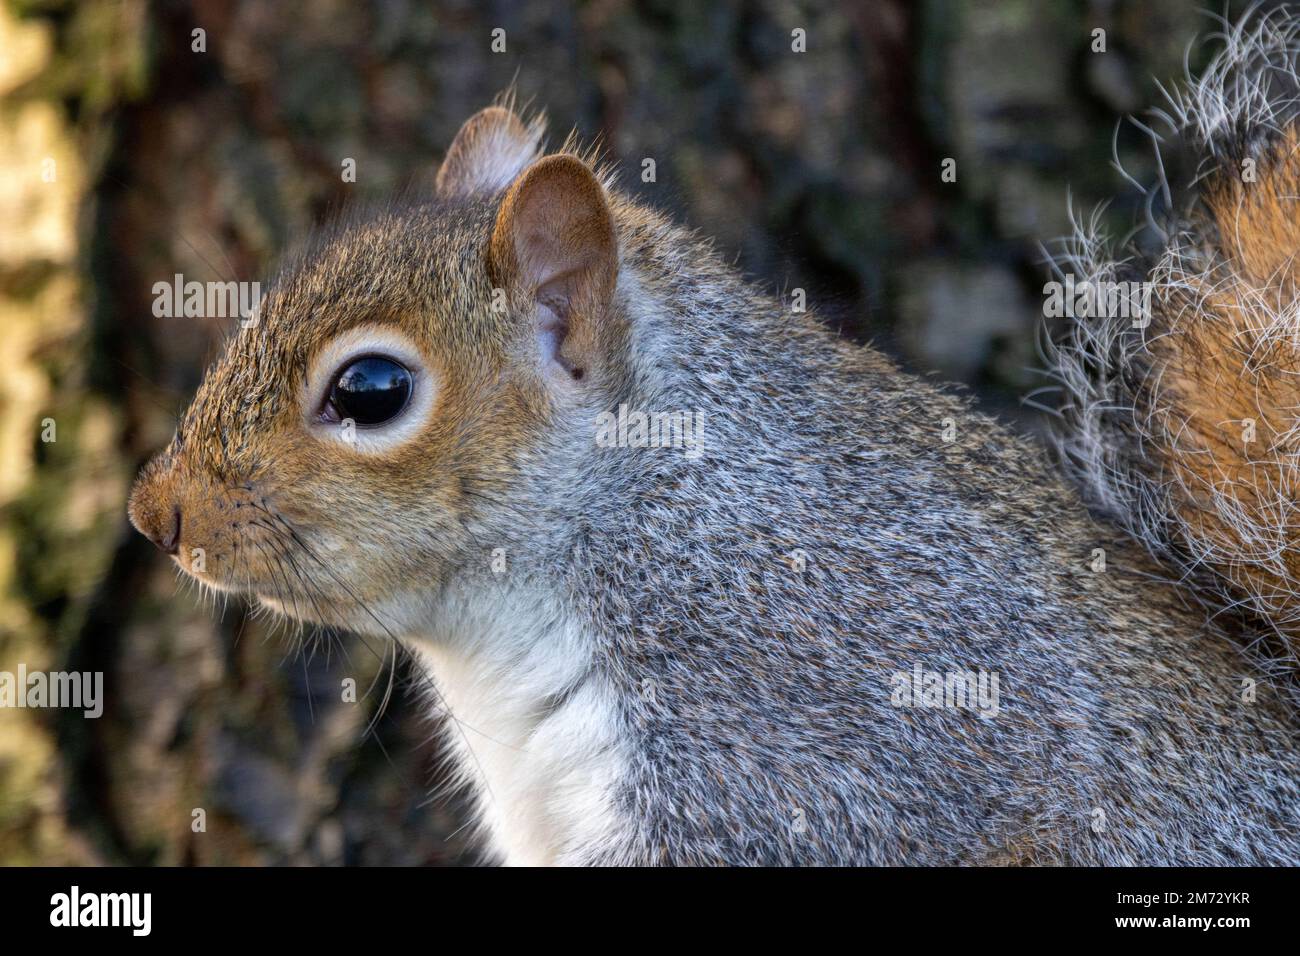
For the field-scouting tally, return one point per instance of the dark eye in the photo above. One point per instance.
(370, 391)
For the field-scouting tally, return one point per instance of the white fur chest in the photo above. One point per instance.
(533, 726)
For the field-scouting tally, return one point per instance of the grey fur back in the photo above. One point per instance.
(757, 697)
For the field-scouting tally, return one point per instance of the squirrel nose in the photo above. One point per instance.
(167, 532)
(170, 542)
(162, 526)
(155, 505)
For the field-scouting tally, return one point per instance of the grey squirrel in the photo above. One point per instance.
(699, 582)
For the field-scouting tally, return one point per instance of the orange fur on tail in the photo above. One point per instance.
(1187, 429)
(1224, 387)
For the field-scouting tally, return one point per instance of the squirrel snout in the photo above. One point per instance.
(155, 515)
(167, 540)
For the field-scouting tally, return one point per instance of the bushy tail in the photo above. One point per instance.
(1182, 420)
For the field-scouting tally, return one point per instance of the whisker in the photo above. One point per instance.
(430, 683)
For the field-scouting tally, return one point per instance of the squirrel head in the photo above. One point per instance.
(352, 444)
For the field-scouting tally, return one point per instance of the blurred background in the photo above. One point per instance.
(127, 155)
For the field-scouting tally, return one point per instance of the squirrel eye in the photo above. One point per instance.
(370, 391)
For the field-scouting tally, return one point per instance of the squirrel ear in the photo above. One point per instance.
(487, 154)
(554, 239)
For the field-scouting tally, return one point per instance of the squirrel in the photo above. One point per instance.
(699, 582)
